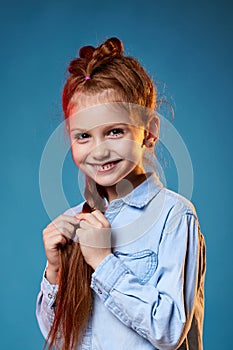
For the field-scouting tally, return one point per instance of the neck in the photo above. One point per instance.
(125, 186)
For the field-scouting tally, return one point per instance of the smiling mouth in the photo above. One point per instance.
(106, 166)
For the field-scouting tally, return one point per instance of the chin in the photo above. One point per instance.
(106, 183)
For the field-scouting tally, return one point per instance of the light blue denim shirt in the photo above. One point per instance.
(149, 292)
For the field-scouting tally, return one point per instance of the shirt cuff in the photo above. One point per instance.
(107, 274)
(49, 290)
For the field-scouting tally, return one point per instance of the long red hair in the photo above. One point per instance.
(109, 70)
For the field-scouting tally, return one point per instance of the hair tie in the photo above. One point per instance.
(87, 77)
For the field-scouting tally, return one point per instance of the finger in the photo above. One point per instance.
(89, 238)
(84, 224)
(100, 216)
(89, 218)
(70, 223)
(67, 230)
(67, 218)
(52, 242)
(68, 233)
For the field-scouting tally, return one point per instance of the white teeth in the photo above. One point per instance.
(105, 167)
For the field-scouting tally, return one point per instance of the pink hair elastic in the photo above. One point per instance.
(87, 77)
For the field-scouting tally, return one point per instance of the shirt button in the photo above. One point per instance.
(50, 296)
(99, 291)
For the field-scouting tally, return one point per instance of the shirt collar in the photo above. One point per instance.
(141, 195)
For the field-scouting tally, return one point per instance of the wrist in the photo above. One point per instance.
(97, 262)
(52, 268)
(51, 274)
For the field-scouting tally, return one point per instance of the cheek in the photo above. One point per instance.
(130, 150)
(77, 154)
(135, 155)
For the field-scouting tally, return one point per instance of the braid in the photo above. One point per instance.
(105, 53)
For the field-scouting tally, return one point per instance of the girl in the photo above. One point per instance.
(125, 269)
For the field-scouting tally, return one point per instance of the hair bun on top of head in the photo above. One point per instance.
(111, 47)
(115, 44)
(86, 52)
(91, 57)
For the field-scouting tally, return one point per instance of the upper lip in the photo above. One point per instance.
(110, 161)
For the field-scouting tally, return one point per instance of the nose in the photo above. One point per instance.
(100, 151)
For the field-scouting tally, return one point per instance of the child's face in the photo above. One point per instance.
(105, 144)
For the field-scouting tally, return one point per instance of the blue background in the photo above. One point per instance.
(186, 44)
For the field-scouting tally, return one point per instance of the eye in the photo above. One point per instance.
(116, 132)
(81, 136)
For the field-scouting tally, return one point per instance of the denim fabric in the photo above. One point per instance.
(149, 292)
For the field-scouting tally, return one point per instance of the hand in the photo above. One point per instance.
(94, 236)
(58, 232)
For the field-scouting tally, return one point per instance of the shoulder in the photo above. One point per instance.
(175, 203)
(180, 215)
(74, 210)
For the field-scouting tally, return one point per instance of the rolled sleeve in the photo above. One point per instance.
(107, 274)
(45, 305)
(49, 291)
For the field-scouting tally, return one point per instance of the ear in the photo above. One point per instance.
(151, 132)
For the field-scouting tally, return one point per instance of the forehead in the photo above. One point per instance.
(103, 114)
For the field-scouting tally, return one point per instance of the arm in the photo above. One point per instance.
(160, 311)
(56, 233)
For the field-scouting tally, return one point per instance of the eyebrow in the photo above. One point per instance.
(78, 129)
(107, 127)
